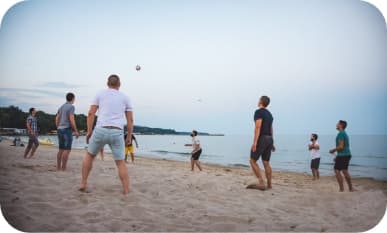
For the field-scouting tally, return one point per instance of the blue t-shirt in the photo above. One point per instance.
(342, 135)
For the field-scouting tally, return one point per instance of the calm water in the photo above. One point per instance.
(369, 152)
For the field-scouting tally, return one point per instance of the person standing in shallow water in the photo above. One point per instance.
(263, 143)
(343, 156)
(32, 130)
(196, 151)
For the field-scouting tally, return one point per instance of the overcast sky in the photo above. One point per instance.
(204, 63)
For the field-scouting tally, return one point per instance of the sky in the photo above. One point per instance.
(204, 63)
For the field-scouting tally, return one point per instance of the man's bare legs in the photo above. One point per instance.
(27, 151)
(267, 167)
(340, 180)
(28, 148)
(198, 164)
(86, 168)
(348, 179)
(33, 151)
(61, 159)
(192, 164)
(257, 171)
(314, 174)
(123, 174)
(65, 157)
(132, 157)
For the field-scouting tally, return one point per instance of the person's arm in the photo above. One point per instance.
(339, 147)
(28, 125)
(135, 140)
(129, 125)
(57, 119)
(272, 135)
(90, 121)
(257, 131)
(74, 125)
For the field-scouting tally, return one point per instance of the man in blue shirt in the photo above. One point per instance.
(343, 156)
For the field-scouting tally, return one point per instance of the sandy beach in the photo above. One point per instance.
(167, 196)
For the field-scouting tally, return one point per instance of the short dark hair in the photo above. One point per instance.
(265, 100)
(315, 136)
(70, 96)
(113, 80)
(195, 132)
(343, 123)
(31, 110)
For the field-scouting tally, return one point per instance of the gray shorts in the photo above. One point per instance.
(113, 137)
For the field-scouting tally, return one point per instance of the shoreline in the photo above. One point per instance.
(166, 196)
(225, 166)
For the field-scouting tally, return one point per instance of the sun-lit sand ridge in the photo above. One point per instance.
(167, 196)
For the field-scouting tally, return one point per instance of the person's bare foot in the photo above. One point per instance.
(256, 186)
(269, 187)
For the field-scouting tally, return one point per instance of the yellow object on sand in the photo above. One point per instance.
(46, 141)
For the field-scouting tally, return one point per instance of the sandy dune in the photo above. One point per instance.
(167, 196)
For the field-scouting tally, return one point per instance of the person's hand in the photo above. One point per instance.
(88, 135)
(273, 149)
(254, 147)
(127, 141)
(76, 134)
(332, 151)
(137, 146)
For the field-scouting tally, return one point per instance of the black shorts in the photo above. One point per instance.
(342, 162)
(315, 163)
(196, 155)
(264, 147)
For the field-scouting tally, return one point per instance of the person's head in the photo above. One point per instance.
(70, 97)
(32, 111)
(313, 137)
(341, 125)
(114, 81)
(264, 101)
(194, 133)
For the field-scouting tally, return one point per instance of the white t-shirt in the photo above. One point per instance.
(112, 106)
(313, 152)
(195, 142)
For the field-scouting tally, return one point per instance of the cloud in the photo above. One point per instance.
(60, 85)
(32, 93)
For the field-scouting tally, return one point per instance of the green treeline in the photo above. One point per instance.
(13, 117)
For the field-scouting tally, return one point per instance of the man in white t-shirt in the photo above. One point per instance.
(114, 111)
(314, 149)
(196, 150)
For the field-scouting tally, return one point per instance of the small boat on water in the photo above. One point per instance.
(46, 142)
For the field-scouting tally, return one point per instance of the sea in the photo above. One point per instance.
(369, 152)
